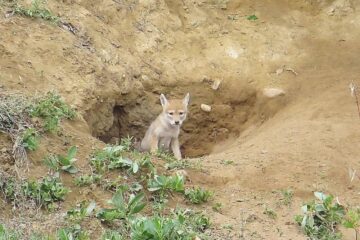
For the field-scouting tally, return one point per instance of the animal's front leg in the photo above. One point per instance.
(154, 142)
(175, 147)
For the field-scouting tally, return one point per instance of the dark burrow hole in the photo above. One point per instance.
(200, 134)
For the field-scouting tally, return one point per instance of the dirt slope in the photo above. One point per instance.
(124, 53)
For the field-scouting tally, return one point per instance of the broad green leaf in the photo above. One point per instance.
(72, 152)
(303, 223)
(136, 199)
(153, 189)
(137, 208)
(118, 200)
(319, 208)
(304, 208)
(90, 208)
(135, 167)
(319, 195)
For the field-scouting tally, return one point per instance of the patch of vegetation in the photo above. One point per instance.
(111, 235)
(116, 157)
(252, 17)
(52, 109)
(166, 156)
(321, 217)
(14, 121)
(87, 180)
(122, 209)
(80, 212)
(45, 192)
(287, 196)
(126, 143)
(9, 188)
(217, 207)
(198, 195)
(270, 213)
(352, 221)
(6, 234)
(177, 164)
(227, 162)
(65, 163)
(102, 158)
(72, 233)
(30, 139)
(36, 10)
(165, 184)
(121, 163)
(182, 225)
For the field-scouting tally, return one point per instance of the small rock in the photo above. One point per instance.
(273, 92)
(205, 107)
(145, 78)
(279, 71)
(216, 84)
(3, 150)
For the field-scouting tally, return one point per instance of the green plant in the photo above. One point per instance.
(126, 143)
(37, 10)
(177, 164)
(65, 163)
(9, 188)
(111, 235)
(252, 17)
(72, 233)
(87, 180)
(30, 139)
(82, 210)
(287, 196)
(270, 213)
(321, 217)
(121, 208)
(181, 225)
(227, 162)
(352, 221)
(165, 184)
(158, 228)
(6, 234)
(198, 195)
(45, 192)
(121, 162)
(217, 207)
(102, 158)
(52, 109)
(167, 156)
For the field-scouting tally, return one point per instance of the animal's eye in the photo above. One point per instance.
(181, 113)
(171, 113)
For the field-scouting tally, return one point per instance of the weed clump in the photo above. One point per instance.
(65, 163)
(198, 195)
(44, 192)
(321, 217)
(52, 109)
(36, 10)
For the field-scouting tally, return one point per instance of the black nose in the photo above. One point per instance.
(177, 122)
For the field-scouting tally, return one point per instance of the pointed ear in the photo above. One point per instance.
(163, 100)
(186, 99)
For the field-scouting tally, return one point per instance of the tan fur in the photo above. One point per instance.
(164, 131)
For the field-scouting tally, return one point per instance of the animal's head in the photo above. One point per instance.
(175, 110)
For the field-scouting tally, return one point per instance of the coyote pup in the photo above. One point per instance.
(164, 131)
